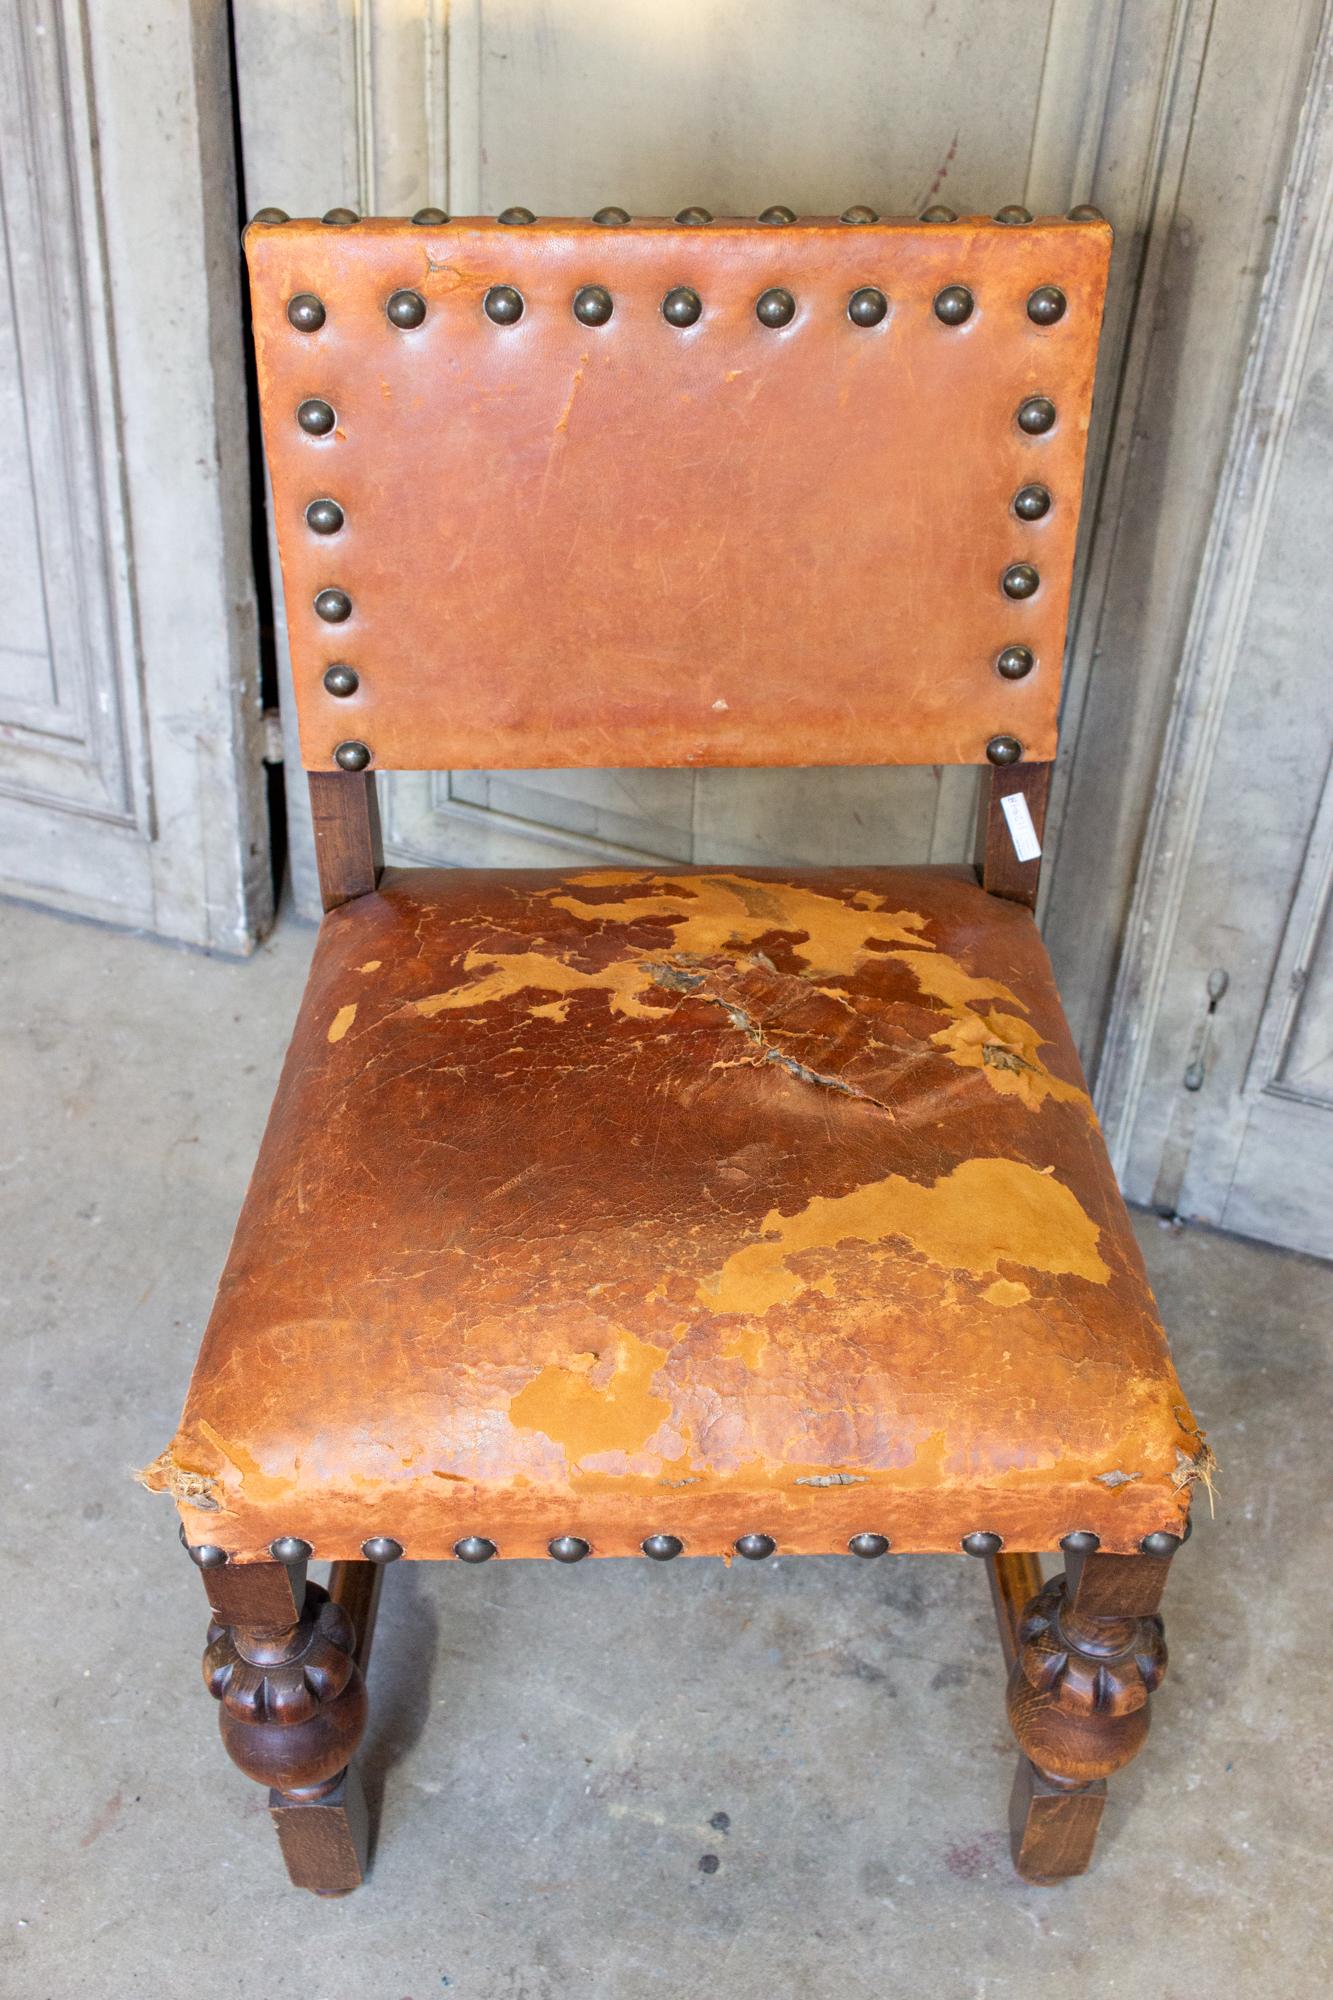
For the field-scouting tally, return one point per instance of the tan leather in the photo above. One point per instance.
(708, 1203)
(637, 544)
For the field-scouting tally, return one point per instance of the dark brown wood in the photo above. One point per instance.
(1014, 1581)
(325, 1841)
(357, 1586)
(349, 852)
(1052, 1828)
(292, 1707)
(1002, 873)
(262, 1594)
(1078, 1705)
(1116, 1586)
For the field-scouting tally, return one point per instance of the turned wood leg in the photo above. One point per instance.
(1086, 1654)
(285, 1661)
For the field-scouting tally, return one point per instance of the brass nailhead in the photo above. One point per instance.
(1015, 663)
(270, 215)
(694, 217)
(515, 217)
(339, 218)
(306, 312)
(1046, 305)
(593, 305)
(954, 305)
(1014, 212)
(316, 417)
(1085, 212)
(755, 1547)
(775, 307)
(333, 606)
(858, 213)
(355, 757)
(474, 1549)
(341, 680)
(1032, 503)
(681, 307)
(325, 517)
(290, 1549)
(983, 1543)
(1036, 415)
(611, 218)
(867, 307)
(662, 1548)
(568, 1549)
(869, 1545)
(1003, 750)
(504, 305)
(381, 1548)
(406, 309)
(206, 1555)
(778, 216)
(1020, 580)
(1082, 1542)
(429, 217)
(939, 213)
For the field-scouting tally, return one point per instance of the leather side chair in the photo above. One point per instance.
(703, 1211)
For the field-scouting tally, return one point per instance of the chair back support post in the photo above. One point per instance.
(349, 850)
(1002, 871)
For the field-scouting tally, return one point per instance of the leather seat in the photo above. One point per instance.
(619, 1203)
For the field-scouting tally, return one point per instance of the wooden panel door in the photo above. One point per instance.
(1221, 1054)
(131, 785)
(566, 106)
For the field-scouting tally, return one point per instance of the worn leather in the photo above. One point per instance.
(637, 544)
(703, 1203)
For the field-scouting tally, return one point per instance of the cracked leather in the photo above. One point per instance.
(698, 1203)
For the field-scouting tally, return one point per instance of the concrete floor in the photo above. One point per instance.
(560, 1751)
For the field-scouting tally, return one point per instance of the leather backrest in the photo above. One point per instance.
(746, 537)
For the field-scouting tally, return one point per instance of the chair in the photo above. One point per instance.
(704, 1211)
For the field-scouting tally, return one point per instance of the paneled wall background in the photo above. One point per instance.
(131, 786)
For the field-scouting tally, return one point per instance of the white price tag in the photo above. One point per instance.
(1021, 830)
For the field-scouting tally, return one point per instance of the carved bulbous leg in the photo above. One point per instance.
(1078, 1704)
(293, 1703)
(282, 1661)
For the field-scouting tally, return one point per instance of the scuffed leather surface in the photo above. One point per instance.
(612, 1204)
(641, 545)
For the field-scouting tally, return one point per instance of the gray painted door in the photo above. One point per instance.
(1221, 1054)
(131, 786)
(1131, 104)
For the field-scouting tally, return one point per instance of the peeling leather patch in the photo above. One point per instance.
(982, 1214)
(723, 917)
(586, 1409)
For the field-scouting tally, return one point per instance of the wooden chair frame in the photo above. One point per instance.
(288, 1660)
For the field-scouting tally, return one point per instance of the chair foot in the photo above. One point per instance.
(325, 1842)
(1052, 1828)
(282, 1661)
(1089, 1652)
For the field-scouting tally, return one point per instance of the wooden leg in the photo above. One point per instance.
(285, 1661)
(1084, 1657)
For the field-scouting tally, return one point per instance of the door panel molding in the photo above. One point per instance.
(67, 751)
(131, 785)
(1227, 748)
